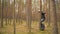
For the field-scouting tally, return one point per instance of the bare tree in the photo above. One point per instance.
(29, 13)
(54, 18)
(2, 13)
(40, 13)
(14, 18)
(48, 11)
(6, 12)
(20, 11)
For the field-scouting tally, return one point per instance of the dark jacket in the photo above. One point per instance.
(42, 16)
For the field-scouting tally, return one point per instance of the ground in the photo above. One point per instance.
(23, 28)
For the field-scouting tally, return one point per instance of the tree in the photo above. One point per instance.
(14, 18)
(29, 13)
(48, 11)
(40, 13)
(53, 17)
(6, 10)
(20, 11)
(2, 13)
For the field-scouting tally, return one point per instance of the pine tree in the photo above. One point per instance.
(54, 18)
(29, 13)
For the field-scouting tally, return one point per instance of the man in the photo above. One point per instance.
(42, 26)
(42, 16)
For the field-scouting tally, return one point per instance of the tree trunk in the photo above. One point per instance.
(29, 13)
(48, 10)
(20, 11)
(40, 13)
(54, 18)
(14, 18)
(2, 13)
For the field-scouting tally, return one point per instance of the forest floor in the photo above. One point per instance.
(23, 28)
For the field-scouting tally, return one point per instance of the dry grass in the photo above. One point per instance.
(23, 29)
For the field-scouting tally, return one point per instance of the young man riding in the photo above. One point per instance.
(42, 26)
